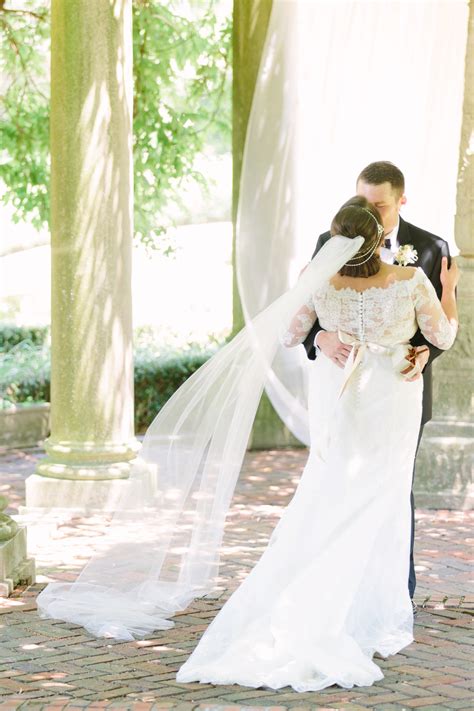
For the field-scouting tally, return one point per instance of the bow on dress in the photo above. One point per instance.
(398, 354)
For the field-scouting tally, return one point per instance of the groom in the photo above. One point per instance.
(383, 184)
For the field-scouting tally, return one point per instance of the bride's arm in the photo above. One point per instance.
(438, 320)
(300, 325)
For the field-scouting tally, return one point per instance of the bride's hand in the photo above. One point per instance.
(418, 356)
(449, 277)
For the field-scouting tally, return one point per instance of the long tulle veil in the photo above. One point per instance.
(162, 547)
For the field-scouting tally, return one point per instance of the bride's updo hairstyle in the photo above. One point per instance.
(357, 217)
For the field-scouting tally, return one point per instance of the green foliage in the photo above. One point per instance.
(181, 103)
(25, 376)
(24, 110)
(11, 335)
(156, 379)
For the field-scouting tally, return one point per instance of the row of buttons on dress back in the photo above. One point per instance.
(358, 374)
(361, 317)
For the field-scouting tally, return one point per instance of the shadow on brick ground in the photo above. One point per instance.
(53, 665)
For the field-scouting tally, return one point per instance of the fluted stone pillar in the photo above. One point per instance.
(91, 442)
(445, 460)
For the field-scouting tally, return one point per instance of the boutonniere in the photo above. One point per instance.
(406, 255)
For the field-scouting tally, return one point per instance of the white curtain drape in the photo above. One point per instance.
(343, 83)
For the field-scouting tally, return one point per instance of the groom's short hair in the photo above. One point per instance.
(382, 171)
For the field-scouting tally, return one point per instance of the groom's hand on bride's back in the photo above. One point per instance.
(328, 342)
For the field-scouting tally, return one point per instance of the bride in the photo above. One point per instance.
(330, 588)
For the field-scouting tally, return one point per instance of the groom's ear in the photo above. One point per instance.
(403, 200)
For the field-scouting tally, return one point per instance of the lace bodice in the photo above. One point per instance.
(384, 315)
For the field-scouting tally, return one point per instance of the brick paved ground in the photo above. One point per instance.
(48, 665)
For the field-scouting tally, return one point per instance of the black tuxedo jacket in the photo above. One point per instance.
(430, 250)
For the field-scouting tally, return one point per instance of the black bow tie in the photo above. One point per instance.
(388, 244)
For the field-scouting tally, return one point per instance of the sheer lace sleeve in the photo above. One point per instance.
(300, 325)
(432, 320)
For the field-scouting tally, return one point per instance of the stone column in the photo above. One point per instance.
(444, 463)
(91, 442)
(250, 25)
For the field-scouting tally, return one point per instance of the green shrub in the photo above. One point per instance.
(157, 378)
(25, 376)
(11, 336)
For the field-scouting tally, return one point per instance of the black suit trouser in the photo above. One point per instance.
(412, 575)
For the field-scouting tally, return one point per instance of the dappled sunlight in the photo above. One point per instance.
(48, 675)
(265, 486)
(56, 685)
(32, 646)
(7, 602)
(267, 477)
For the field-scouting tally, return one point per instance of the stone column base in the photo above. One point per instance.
(443, 476)
(44, 494)
(15, 566)
(89, 461)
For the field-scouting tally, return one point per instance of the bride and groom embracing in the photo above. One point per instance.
(334, 584)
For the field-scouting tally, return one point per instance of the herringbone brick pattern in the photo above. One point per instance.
(53, 665)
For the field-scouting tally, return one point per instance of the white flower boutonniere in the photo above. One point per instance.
(406, 255)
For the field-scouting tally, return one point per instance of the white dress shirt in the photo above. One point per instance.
(387, 255)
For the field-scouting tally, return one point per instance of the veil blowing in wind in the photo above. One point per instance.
(162, 547)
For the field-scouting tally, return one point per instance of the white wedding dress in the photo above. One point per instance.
(331, 588)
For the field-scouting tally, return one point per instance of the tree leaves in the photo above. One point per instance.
(24, 112)
(182, 102)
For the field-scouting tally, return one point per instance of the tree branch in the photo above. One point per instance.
(36, 15)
